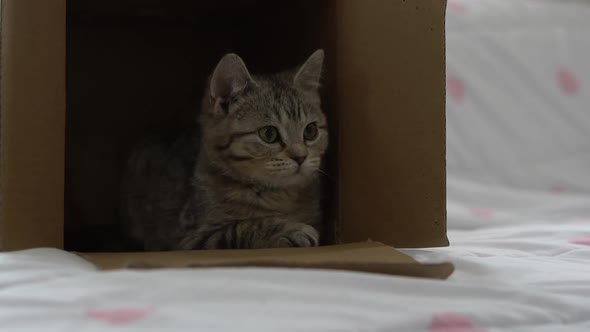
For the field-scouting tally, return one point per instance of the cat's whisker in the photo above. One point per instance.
(319, 170)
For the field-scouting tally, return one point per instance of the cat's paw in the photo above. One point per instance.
(300, 236)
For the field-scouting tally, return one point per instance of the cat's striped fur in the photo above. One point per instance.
(229, 188)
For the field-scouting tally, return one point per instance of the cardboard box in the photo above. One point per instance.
(75, 97)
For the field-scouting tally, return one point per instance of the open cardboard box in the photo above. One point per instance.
(82, 81)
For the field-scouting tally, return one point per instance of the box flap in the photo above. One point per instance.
(370, 257)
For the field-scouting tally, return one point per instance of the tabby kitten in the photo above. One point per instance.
(248, 178)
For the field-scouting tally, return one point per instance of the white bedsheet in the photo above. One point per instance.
(518, 93)
(523, 277)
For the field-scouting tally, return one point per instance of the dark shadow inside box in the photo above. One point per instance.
(135, 68)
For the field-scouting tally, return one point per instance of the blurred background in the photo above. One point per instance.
(518, 112)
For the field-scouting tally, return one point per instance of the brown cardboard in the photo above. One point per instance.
(384, 95)
(369, 257)
(32, 120)
(390, 103)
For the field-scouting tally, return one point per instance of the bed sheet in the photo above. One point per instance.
(518, 93)
(529, 275)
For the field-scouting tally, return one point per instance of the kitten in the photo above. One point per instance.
(248, 179)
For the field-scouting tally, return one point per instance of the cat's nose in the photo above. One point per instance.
(299, 160)
(297, 152)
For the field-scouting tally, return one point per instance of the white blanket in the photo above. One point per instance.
(525, 277)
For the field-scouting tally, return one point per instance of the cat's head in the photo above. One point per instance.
(266, 129)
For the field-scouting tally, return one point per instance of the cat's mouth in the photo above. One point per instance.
(297, 173)
(289, 172)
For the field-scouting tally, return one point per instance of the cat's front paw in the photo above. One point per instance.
(301, 235)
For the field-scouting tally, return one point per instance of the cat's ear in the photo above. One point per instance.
(309, 74)
(229, 80)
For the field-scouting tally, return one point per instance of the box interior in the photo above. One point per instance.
(136, 68)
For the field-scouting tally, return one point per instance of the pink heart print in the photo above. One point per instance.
(120, 316)
(585, 240)
(482, 213)
(452, 322)
(556, 189)
(456, 7)
(456, 89)
(567, 81)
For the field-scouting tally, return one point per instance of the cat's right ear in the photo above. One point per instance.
(229, 80)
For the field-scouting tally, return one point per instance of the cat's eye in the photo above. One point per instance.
(310, 132)
(269, 134)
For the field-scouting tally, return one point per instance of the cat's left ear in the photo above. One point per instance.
(309, 74)
(229, 80)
